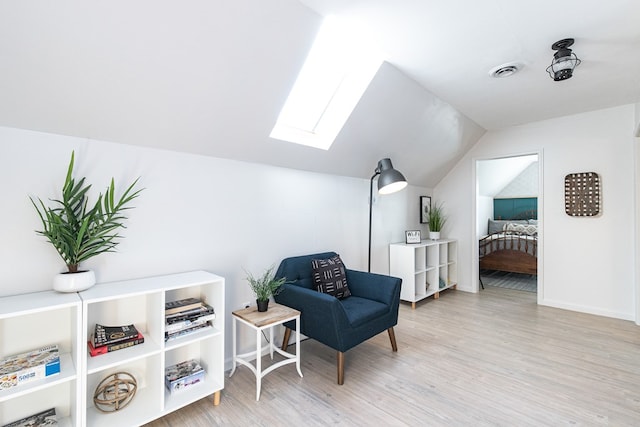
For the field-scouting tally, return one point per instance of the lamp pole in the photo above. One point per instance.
(389, 182)
(371, 215)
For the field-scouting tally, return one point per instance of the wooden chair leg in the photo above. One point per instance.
(392, 337)
(340, 368)
(285, 339)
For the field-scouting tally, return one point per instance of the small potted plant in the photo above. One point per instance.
(79, 232)
(264, 287)
(436, 220)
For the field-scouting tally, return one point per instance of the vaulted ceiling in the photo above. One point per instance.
(210, 77)
(449, 47)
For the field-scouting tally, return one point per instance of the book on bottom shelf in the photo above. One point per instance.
(182, 375)
(30, 366)
(44, 418)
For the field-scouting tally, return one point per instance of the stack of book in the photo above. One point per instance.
(186, 316)
(26, 367)
(111, 338)
(182, 375)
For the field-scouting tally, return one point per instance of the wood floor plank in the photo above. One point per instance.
(494, 358)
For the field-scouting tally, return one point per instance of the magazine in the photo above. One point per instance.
(44, 418)
(187, 323)
(104, 335)
(173, 307)
(183, 374)
(205, 310)
(183, 332)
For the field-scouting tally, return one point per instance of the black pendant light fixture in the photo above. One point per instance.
(564, 60)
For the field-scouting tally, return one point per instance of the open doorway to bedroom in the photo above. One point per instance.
(507, 223)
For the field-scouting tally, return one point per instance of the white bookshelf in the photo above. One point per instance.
(141, 302)
(422, 266)
(32, 321)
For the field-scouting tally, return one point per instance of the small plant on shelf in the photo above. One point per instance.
(436, 219)
(264, 287)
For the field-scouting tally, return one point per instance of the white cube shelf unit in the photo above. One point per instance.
(423, 267)
(32, 321)
(141, 302)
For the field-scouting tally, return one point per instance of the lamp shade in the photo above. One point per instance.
(390, 180)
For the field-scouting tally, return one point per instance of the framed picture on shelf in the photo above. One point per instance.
(425, 207)
(412, 236)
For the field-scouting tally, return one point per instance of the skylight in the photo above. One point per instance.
(334, 76)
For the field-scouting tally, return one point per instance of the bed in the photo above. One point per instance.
(510, 246)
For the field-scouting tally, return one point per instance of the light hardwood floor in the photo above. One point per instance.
(488, 359)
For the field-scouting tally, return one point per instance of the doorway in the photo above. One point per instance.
(508, 206)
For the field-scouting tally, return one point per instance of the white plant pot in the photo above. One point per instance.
(434, 235)
(74, 282)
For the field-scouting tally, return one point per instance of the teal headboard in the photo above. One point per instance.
(520, 208)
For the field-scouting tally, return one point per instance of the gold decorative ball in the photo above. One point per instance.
(115, 392)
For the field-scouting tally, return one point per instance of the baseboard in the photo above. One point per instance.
(588, 310)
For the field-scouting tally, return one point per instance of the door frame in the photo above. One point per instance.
(475, 272)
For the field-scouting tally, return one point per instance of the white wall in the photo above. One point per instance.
(496, 174)
(523, 185)
(484, 212)
(637, 211)
(587, 264)
(637, 119)
(196, 212)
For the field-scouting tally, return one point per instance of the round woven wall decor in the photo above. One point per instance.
(115, 392)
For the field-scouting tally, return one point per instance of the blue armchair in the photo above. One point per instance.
(339, 323)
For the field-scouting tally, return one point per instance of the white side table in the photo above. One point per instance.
(259, 321)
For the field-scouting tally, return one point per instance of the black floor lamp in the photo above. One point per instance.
(389, 181)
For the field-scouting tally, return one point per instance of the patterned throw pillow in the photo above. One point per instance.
(330, 277)
(521, 228)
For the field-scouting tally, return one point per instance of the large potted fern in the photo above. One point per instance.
(79, 231)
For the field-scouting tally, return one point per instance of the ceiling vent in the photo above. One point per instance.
(505, 70)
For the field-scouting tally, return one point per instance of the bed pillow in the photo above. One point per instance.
(528, 229)
(497, 225)
(330, 277)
